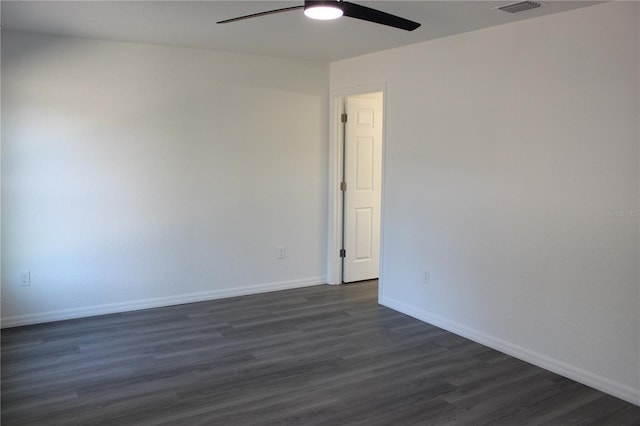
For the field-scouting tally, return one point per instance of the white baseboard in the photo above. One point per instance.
(157, 302)
(603, 384)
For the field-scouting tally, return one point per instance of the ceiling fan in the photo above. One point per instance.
(333, 9)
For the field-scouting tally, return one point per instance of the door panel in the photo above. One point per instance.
(365, 167)
(363, 174)
(363, 235)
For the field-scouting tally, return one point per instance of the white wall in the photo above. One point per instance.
(507, 151)
(138, 175)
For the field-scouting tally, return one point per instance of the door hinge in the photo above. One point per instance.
(343, 117)
(343, 253)
(343, 186)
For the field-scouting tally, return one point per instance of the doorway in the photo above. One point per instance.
(359, 149)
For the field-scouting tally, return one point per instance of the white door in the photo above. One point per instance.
(363, 177)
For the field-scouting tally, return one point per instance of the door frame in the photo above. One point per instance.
(334, 244)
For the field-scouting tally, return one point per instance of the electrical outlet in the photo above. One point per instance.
(25, 278)
(426, 277)
(282, 252)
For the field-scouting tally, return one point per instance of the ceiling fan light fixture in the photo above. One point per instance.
(323, 10)
(332, 9)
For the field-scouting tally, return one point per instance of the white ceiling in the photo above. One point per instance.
(290, 34)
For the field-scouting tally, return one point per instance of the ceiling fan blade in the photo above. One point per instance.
(255, 15)
(353, 10)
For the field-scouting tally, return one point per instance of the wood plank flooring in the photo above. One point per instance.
(320, 355)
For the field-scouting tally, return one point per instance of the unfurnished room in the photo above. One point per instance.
(320, 212)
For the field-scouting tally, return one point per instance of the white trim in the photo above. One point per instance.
(157, 302)
(335, 158)
(335, 201)
(596, 381)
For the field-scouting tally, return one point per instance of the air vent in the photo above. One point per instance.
(520, 6)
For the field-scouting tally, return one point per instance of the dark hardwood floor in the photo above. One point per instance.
(314, 356)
